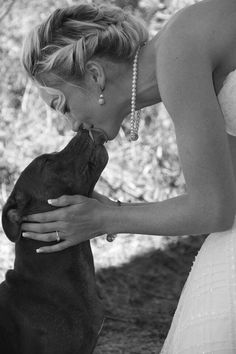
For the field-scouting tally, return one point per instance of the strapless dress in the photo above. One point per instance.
(205, 319)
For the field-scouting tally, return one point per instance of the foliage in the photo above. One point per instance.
(146, 170)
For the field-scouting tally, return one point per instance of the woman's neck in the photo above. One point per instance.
(147, 92)
(119, 82)
(147, 84)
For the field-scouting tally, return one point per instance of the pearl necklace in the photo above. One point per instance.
(134, 120)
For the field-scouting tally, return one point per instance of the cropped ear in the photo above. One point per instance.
(11, 220)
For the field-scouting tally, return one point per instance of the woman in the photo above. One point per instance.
(85, 60)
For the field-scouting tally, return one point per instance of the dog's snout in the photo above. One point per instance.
(91, 135)
(98, 136)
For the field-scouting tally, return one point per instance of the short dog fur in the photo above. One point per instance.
(49, 303)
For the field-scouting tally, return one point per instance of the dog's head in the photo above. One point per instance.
(74, 170)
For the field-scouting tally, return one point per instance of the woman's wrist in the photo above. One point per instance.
(120, 216)
(114, 218)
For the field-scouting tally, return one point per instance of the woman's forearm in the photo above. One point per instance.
(172, 217)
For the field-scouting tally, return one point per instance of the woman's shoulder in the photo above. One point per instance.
(210, 24)
(205, 12)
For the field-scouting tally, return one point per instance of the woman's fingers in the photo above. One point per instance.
(75, 223)
(49, 237)
(41, 228)
(55, 248)
(45, 217)
(66, 200)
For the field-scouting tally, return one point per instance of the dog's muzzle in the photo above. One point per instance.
(98, 136)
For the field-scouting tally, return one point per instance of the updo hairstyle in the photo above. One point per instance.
(64, 42)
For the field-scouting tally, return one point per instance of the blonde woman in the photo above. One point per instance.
(96, 65)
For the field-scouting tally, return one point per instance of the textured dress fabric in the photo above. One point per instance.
(205, 319)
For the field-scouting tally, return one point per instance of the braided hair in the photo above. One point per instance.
(70, 36)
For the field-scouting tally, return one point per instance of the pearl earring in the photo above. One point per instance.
(101, 99)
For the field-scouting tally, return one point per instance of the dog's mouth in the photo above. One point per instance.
(94, 152)
(98, 136)
(85, 142)
(88, 152)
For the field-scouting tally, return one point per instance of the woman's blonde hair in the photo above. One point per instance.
(64, 42)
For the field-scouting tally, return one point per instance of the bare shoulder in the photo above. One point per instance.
(205, 12)
(208, 24)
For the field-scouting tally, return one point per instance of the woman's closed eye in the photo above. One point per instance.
(59, 104)
(65, 109)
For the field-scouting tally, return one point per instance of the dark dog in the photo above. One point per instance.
(49, 302)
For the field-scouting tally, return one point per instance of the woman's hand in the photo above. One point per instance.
(77, 219)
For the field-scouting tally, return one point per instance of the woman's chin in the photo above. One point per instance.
(112, 136)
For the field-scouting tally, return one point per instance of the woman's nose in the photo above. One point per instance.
(87, 126)
(76, 125)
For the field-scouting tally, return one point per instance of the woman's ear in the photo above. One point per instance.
(96, 73)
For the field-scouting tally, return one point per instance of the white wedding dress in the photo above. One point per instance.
(205, 319)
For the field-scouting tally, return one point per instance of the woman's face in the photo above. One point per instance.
(80, 104)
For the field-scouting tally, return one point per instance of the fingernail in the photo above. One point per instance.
(39, 250)
(25, 234)
(24, 218)
(51, 201)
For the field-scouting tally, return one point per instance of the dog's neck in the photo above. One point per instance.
(64, 275)
(29, 263)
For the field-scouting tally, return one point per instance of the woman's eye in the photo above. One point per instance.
(66, 110)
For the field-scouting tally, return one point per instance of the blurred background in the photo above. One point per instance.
(147, 170)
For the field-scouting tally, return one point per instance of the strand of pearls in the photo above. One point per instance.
(134, 119)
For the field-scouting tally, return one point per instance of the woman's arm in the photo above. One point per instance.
(172, 217)
(184, 71)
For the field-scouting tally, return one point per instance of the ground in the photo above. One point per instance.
(140, 279)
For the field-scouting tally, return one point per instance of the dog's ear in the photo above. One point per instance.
(11, 219)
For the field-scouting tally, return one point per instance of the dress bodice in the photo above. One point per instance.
(227, 101)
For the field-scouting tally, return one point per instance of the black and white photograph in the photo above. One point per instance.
(118, 177)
